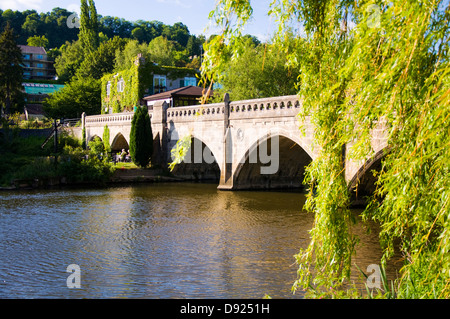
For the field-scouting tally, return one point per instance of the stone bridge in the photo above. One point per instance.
(252, 144)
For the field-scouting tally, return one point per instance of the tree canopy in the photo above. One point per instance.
(78, 96)
(10, 70)
(258, 72)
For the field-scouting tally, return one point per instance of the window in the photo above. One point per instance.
(190, 81)
(40, 73)
(159, 83)
(40, 57)
(26, 56)
(120, 85)
(108, 88)
(40, 65)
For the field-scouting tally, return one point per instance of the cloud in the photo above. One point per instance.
(74, 8)
(21, 5)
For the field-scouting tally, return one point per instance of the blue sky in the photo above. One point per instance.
(193, 13)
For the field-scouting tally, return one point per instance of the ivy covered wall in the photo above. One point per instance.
(128, 87)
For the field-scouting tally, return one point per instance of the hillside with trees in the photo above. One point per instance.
(50, 30)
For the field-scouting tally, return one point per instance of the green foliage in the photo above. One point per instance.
(10, 70)
(106, 138)
(88, 35)
(181, 149)
(137, 76)
(130, 95)
(162, 51)
(68, 63)
(38, 41)
(101, 61)
(53, 25)
(258, 72)
(23, 158)
(80, 95)
(363, 63)
(126, 58)
(96, 147)
(141, 138)
(83, 138)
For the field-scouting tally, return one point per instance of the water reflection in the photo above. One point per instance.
(157, 241)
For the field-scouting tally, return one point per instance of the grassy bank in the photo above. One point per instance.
(22, 160)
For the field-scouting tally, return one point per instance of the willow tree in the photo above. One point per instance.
(362, 63)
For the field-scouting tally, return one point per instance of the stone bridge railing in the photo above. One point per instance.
(191, 113)
(265, 107)
(109, 118)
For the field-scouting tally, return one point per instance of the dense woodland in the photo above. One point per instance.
(103, 45)
(53, 25)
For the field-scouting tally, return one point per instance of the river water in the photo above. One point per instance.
(175, 240)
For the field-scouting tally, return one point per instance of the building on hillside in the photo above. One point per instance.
(127, 89)
(35, 93)
(183, 96)
(36, 65)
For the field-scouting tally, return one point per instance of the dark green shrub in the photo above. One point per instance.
(141, 138)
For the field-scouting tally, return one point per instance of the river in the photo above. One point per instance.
(175, 240)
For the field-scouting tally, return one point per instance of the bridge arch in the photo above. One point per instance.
(276, 160)
(363, 182)
(200, 163)
(119, 142)
(94, 137)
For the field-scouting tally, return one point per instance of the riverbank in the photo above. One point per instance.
(120, 176)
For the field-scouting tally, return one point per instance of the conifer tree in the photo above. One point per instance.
(10, 69)
(141, 138)
(88, 27)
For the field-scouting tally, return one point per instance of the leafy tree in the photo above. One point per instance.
(141, 138)
(38, 41)
(10, 69)
(392, 67)
(138, 33)
(70, 60)
(88, 27)
(32, 23)
(162, 51)
(106, 139)
(195, 45)
(102, 60)
(258, 72)
(96, 147)
(178, 33)
(80, 95)
(124, 58)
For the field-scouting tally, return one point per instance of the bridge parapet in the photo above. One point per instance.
(190, 113)
(116, 118)
(272, 107)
